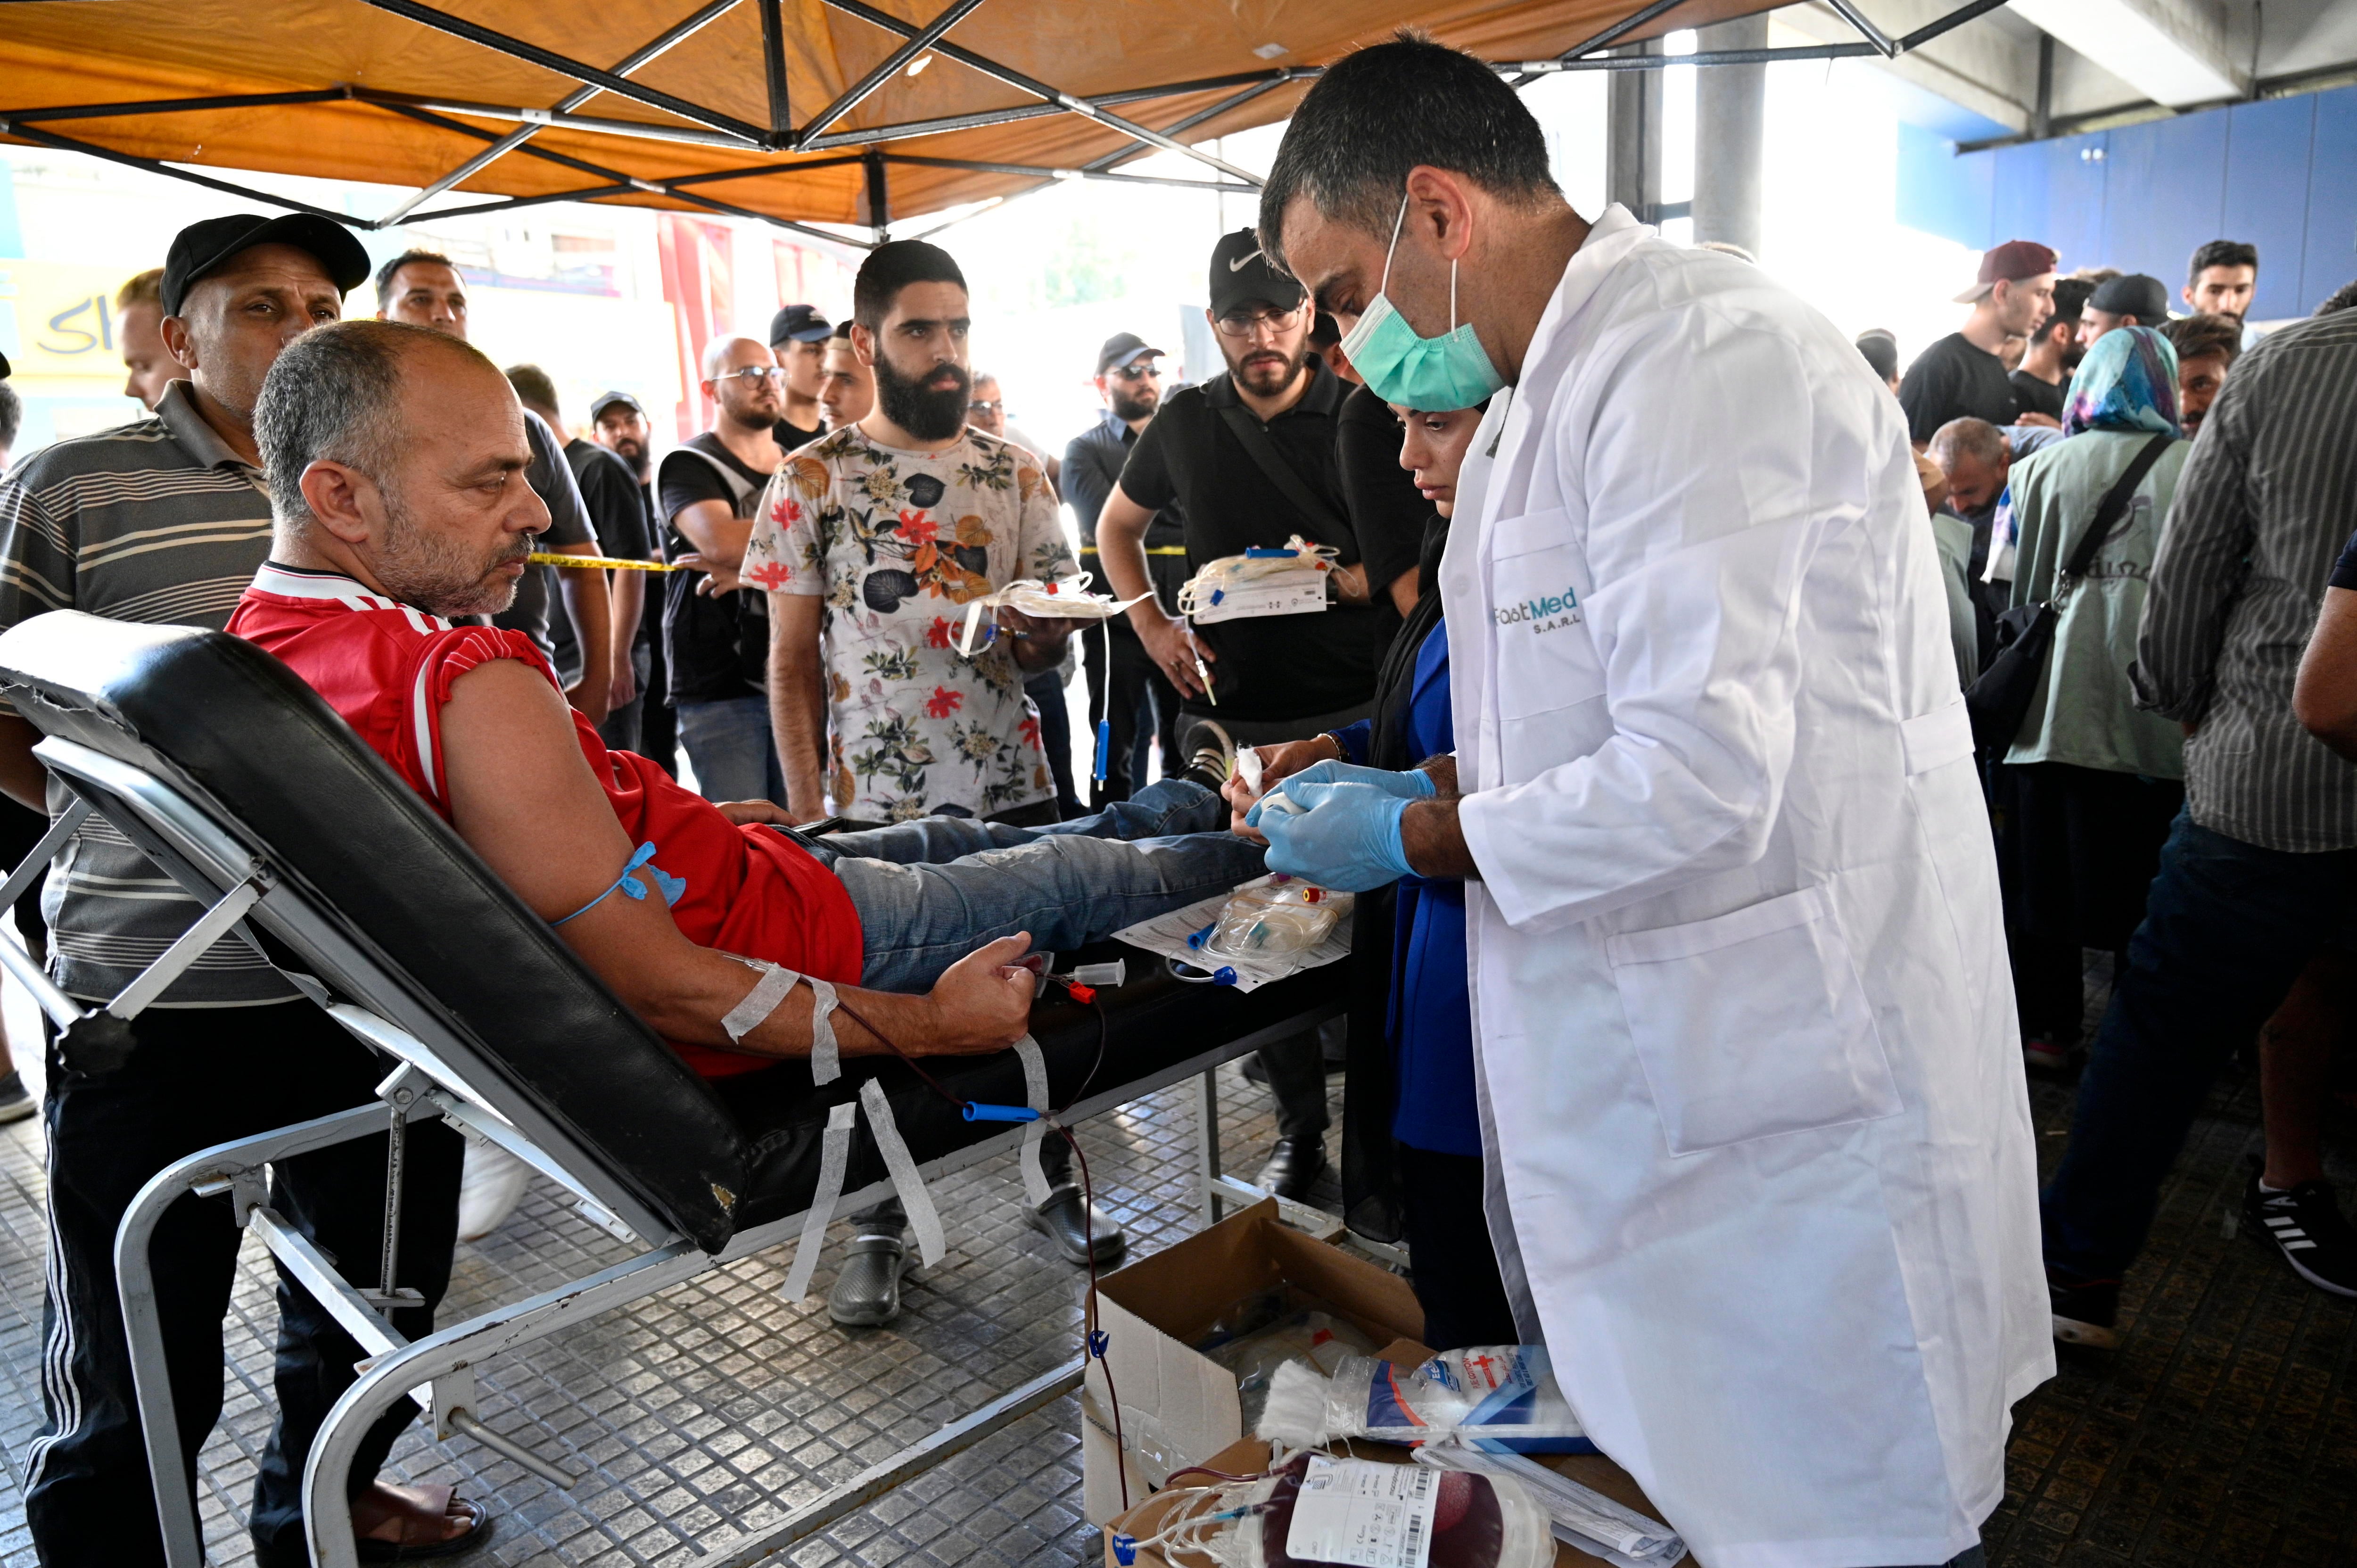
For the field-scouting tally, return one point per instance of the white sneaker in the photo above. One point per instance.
(493, 1185)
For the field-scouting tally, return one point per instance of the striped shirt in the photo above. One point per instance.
(2263, 507)
(158, 521)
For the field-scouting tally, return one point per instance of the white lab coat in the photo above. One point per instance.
(1761, 1157)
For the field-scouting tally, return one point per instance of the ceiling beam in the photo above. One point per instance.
(2174, 51)
(886, 69)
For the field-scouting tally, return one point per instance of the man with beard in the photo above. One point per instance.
(423, 288)
(1960, 376)
(715, 637)
(619, 423)
(166, 520)
(871, 543)
(1129, 380)
(2043, 377)
(1250, 457)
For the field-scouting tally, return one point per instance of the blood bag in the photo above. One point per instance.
(1274, 914)
(1318, 1511)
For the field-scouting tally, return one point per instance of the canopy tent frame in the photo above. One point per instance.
(712, 127)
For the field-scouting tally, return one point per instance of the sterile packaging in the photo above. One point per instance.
(1503, 1393)
(1319, 1511)
(1267, 1330)
(1289, 579)
(1273, 915)
(1581, 1515)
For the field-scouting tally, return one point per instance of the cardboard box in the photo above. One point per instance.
(1177, 1406)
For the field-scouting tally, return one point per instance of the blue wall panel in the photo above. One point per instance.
(2267, 196)
(1941, 192)
(2164, 195)
(2331, 257)
(2077, 172)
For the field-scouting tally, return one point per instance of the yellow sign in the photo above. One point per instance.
(57, 321)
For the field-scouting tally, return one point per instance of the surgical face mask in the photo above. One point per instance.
(1437, 374)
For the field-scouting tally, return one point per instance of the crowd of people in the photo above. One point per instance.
(1633, 718)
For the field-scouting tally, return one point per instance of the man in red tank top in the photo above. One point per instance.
(396, 459)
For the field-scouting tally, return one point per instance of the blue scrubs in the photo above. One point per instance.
(1430, 1020)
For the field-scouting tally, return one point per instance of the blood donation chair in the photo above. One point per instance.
(242, 784)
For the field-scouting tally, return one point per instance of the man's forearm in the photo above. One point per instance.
(1121, 550)
(798, 715)
(629, 603)
(586, 604)
(1434, 840)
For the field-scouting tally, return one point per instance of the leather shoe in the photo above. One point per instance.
(1294, 1166)
(1060, 1218)
(867, 1292)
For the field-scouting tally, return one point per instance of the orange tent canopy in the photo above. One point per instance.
(839, 112)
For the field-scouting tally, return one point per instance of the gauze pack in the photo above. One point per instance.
(1503, 1393)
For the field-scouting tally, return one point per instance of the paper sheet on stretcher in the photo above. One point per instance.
(1168, 934)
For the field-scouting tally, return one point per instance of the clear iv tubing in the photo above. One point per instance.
(1217, 578)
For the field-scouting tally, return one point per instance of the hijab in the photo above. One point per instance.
(2127, 382)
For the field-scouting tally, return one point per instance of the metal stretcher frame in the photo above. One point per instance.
(214, 867)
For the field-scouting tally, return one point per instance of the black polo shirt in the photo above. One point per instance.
(1268, 667)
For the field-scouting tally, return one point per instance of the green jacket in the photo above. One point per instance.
(2084, 712)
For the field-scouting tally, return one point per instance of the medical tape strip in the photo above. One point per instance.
(1035, 1095)
(761, 1001)
(924, 1219)
(826, 1060)
(834, 1158)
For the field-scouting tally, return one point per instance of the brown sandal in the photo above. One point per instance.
(376, 1549)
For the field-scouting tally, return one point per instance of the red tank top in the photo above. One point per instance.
(388, 670)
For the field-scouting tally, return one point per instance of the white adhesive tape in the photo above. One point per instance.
(924, 1219)
(834, 1157)
(1035, 1092)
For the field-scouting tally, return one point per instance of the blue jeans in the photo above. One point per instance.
(931, 891)
(2226, 930)
(727, 743)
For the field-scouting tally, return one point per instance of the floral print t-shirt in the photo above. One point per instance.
(897, 542)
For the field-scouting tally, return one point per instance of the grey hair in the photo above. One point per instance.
(1967, 438)
(334, 394)
(1384, 110)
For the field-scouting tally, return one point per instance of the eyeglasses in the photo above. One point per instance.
(988, 406)
(1244, 323)
(750, 374)
(1147, 372)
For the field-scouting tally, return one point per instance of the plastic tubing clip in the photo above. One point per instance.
(977, 1112)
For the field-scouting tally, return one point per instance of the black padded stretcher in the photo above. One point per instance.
(240, 781)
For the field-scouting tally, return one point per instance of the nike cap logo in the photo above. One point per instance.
(1241, 263)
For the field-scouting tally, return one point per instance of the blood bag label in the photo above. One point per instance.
(1364, 1514)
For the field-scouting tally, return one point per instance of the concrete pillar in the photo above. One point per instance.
(1632, 167)
(1730, 125)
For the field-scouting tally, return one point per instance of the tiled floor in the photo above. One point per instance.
(2225, 1432)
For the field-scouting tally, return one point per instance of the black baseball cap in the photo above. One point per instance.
(1119, 349)
(799, 324)
(202, 249)
(1240, 274)
(604, 400)
(2131, 294)
(4, 367)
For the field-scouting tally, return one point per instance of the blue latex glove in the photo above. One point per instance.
(1346, 837)
(1415, 784)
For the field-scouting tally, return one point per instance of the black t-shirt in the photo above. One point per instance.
(551, 478)
(1269, 667)
(788, 435)
(2035, 396)
(1388, 513)
(618, 508)
(716, 647)
(1953, 379)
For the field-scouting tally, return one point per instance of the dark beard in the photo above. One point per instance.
(924, 413)
(1127, 408)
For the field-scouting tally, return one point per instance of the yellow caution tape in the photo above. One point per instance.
(558, 558)
(1150, 550)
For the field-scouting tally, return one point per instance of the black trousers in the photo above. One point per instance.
(199, 1076)
(1455, 1266)
(1141, 705)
